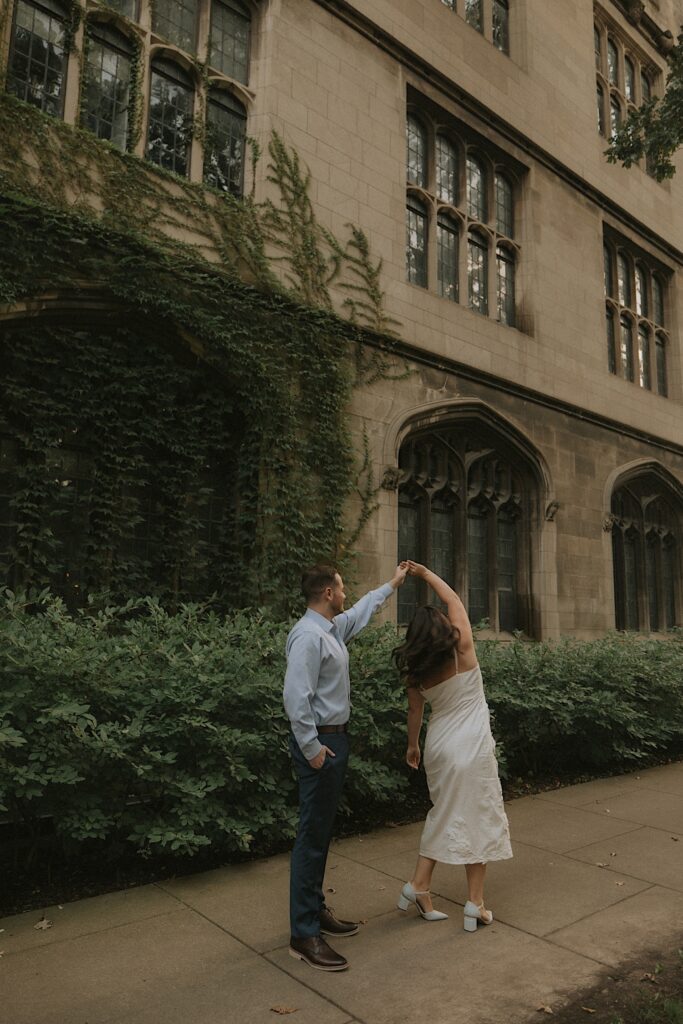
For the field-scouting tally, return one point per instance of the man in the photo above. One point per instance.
(317, 701)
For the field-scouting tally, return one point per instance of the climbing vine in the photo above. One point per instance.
(192, 273)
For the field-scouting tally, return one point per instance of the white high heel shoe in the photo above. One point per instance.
(409, 895)
(474, 913)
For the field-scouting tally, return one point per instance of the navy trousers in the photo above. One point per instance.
(319, 793)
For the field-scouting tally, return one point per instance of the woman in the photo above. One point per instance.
(467, 824)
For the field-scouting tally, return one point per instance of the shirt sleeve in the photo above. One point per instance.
(357, 617)
(301, 682)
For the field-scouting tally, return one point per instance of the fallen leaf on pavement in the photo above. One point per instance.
(330, 889)
(649, 977)
(363, 920)
(43, 924)
(620, 883)
(675, 839)
(381, 887)
(613, 854)
(600, 864)
(587, 1009)
(284, 1009)
(544, 1009)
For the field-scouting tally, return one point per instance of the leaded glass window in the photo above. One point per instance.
(226, 122)
(446, 170)
(626, 351)
(612, 63)
(476, 190)
(607, 264)
(645, 87)
(176, 21)
(624, 280)
(596, 47)
(501, 25)
(416, 148)
(504, 207)
(641, 291)
(477, 272)
(447, 257)
(106, 84)
(645, 538)
(658, 301)
(462, 511)
(229, 44)
(505, 279)
(662, 381)
(644, 358)
(37, 62)
(611, 344)
(129, 8)
(615, 115)
(170, 117)
(629, 80)
(416, 242)
(474, 14)
(601, 108)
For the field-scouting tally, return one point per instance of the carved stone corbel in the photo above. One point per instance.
(609, 522)
(551, 511)
(390, 478)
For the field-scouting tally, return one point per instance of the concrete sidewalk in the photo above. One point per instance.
(597, 876)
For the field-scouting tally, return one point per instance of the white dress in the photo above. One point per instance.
(467, 824)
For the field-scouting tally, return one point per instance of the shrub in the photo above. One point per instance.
(130, 726)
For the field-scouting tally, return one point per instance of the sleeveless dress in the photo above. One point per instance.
(467, 824)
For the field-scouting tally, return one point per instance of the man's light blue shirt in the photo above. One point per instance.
(317, 684)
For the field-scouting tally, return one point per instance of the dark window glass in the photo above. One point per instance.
(507, 573)
(477, 272)
(176, 21)
(37, 62)
(624, 280)
(652, 581)
(644, 358)
(501, 25)
(443, 539)
(446, 170)
(451, 5)
(615, 115)
(447, 257)
(669, 551)
(645, 88)
(596, 47)
(629, 80)
(658, 301)
(641, 292)
(129, 8)
(408, 547)
(416, 242)
(630, 582)
(474, 14)
(225, 140)
(170, 117)
(504, 208)
(601, 109)
(106, 84)
(505, 277)
(662, 381)
(477, 564)
(476, 190)
(609, 276)
(611, 344)
(626, 348)
(612, 63)
(416, 140)
(230, 30)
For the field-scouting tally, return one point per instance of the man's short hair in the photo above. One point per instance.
(316, 579)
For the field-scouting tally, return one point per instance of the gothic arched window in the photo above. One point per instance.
(226, 121)
(463, 510)
(230, 36)
(38, 56)
(106, 84)
(170, 117)
(646, 556)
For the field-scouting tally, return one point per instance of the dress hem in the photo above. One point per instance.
(454, 860)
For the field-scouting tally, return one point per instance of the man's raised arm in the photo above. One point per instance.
(357, 617)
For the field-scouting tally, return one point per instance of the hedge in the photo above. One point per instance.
(156, 731)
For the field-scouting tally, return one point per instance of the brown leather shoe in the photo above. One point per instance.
(316, 953)
(331, 925)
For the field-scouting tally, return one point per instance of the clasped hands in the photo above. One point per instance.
(407, 568)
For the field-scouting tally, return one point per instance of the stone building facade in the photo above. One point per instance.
(528, 441)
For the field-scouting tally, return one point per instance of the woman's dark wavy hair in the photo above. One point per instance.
(430, 641)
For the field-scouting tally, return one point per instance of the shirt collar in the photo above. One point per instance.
(319, 619)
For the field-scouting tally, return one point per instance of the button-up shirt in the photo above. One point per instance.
(317, 685)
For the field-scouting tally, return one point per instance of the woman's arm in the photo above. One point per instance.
(416, 705)
(455, 611)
